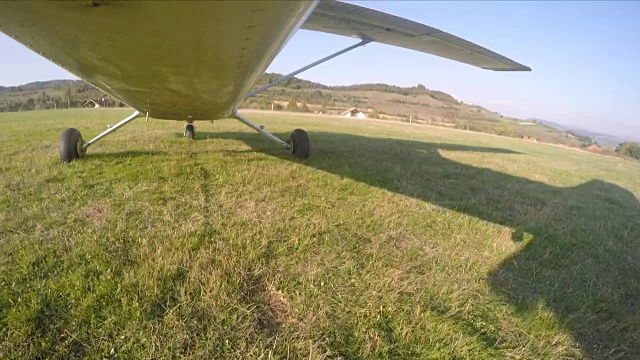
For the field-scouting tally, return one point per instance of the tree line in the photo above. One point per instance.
(629, 149)
(57, 94)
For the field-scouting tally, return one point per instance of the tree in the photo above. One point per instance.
(31, 104)
(584, 140)
(292, 105)
(317, 96)
(505, 130)
(67, 95)
(630, 149)
(24, 107)
(324, 105)
(303, 108)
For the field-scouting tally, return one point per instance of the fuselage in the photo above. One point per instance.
(177, 62)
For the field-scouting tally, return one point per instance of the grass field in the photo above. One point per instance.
(391, 241)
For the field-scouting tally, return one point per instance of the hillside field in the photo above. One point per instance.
(391, 241)
(379, 101)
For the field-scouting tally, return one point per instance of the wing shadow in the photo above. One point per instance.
(579, 263)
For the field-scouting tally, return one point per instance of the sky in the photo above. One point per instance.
(585, 58)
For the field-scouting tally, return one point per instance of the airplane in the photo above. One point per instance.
(198, 60)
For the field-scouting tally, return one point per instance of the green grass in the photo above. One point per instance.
(391, 241)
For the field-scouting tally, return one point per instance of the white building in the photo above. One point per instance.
(354, 112)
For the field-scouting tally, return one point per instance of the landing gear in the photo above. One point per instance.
(189, 131)
(71, 145)
(299, 142)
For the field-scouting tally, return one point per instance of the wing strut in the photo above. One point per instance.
(313, 64)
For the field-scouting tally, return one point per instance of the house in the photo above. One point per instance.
(354, 112)
(99, 102)
(530, 138)
(90, 103)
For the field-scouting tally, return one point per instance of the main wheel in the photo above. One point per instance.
(299, 141)
(190, 131)
(71, 145)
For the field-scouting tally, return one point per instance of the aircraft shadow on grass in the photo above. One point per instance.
(581, 256)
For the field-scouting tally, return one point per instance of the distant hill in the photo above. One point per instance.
(52, 94)
(37, 85)
(416, 104)
(604, 139)
(551, 124)
(601, 139)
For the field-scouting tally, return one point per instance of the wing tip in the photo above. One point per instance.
(513, 68)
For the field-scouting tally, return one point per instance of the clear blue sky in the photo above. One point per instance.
(585, 58)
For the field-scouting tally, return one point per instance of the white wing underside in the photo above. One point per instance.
(359, 22)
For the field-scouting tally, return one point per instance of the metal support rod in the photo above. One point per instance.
(259, 129)
(115, 127)
(288, 76)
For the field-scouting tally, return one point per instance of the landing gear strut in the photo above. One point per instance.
(298, 142)
(72, 146)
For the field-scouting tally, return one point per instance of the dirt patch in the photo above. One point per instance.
(271, 307)
(97, 213)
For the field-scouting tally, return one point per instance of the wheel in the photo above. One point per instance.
(190, 131)
(299, 141)
(71, 145)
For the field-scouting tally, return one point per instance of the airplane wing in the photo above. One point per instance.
(356, 21)
(176, 59)
(198, 59)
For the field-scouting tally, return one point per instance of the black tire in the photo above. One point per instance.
(300, 146)
(189, 131)
(71, 145)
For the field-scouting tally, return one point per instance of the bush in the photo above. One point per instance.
(505, 130)
(630, 149)
(292, 105)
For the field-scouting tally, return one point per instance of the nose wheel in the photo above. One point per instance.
(189, 131)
